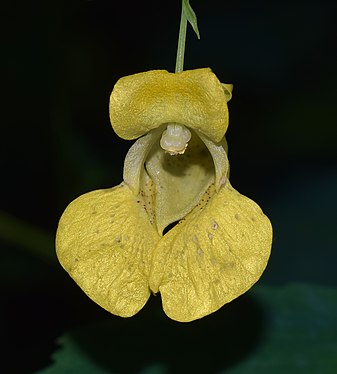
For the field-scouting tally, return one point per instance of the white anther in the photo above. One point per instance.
(175, 138)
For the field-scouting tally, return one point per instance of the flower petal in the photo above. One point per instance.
(228, 89)
(105, 242)
(212, 256)
(144, 101)
(135, 159)
(221, 164)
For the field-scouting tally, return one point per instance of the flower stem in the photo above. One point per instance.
(187, 14)
(181, 41)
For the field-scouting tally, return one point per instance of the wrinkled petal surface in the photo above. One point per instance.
(105, 242)
(212, 256)
(144, 101)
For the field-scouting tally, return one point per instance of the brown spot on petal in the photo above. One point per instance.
(214, 261)
(200, 252)
(214, 225)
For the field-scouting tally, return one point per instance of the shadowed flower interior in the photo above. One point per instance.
(111, 241)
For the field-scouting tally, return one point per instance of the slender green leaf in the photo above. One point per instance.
(191, 16)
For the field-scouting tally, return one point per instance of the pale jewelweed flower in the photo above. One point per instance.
(111, 241)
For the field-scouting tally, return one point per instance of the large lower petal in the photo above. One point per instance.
(105, 242)
(212, 256)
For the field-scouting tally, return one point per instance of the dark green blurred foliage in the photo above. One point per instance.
(61, 60)
(279, 334)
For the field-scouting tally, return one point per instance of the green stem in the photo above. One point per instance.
(181, 41)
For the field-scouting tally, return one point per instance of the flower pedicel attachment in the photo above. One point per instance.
(111, 241)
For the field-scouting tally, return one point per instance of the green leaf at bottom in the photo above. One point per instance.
(297, 334)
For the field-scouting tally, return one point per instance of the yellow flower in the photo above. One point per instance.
(111, 241)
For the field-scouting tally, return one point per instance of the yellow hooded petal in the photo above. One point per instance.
(212, 256)
(105, 242)
(144, 101)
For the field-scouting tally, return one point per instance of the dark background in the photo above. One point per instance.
(62, 59)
